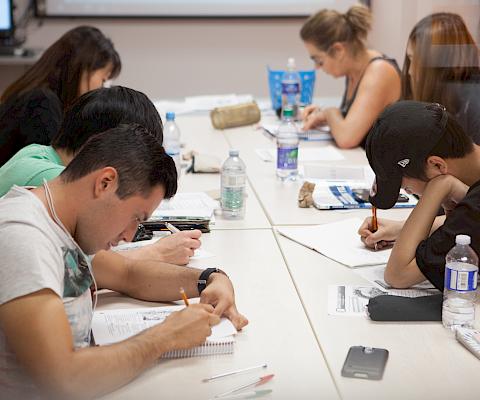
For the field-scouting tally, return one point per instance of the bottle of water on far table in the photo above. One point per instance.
(291, 87)
(287, 147)
(461, 271)
(171, 140)
(233, 186)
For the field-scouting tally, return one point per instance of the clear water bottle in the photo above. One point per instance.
(233, 186)
(171, 140)
(461, 271)
(291, 87)
(287, 147)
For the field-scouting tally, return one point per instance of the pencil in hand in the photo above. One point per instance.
(374, 223)
(184, 296)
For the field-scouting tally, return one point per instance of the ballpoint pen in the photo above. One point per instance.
(252, 394)
(238, 371)
(184, 296)
(256, 382)
(171, 228)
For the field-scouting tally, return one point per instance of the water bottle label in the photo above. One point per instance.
(287, 157)
(465, 281)
(290, 87)
(233, 180)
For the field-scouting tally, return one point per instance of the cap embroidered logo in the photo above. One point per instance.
(403, 163)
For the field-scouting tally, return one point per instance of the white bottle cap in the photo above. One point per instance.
(462, 239)
(291, 63)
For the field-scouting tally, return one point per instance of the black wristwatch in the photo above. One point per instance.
(203, 278)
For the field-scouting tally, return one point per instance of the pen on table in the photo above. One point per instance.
(171, 228)
(253, 394)
(374, 222)
(256, 382)
(184, 296)
(238, 371)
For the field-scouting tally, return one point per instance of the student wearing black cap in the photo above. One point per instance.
(421, 148)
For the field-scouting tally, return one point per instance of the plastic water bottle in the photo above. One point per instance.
(233, 186)
(287, 147)
(461, 271)
(171, 140)
(291, 87)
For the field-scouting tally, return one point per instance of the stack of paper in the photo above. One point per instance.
(338, 241)
(185, 211)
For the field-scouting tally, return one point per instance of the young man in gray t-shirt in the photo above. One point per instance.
(115, 182)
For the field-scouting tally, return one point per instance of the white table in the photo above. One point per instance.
(425, 361)
(279, 199)
(279, 332)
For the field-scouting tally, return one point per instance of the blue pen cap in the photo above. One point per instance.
(170, 116)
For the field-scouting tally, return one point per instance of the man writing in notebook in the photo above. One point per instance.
(114, 182)
(420, 147)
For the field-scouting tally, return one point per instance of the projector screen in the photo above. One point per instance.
(185, 8)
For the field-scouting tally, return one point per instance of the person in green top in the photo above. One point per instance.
(93, 113)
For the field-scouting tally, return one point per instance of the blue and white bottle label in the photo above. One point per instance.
(464, 281)
(287, 158)
(290, 87)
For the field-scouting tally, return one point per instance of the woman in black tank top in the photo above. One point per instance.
(336, 44)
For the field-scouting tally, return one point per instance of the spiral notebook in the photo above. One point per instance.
(111, 326)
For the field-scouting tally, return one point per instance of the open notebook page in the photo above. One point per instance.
(111, 326)
(338, 241)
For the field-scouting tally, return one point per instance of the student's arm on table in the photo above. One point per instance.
(173, 249)
(38, 332)
(379, 87)
(154, 281)
(402, 270)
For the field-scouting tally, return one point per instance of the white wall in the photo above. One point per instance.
(177, 58)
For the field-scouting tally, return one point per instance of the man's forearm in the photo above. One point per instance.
(419, 224)
(122, 362)
(154, 281)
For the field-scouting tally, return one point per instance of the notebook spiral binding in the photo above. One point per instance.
(220, 346)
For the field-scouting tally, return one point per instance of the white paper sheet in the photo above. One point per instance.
(351, 300)
(187, 205)
(338, 241)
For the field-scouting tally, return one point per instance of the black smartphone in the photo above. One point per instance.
(365, 362)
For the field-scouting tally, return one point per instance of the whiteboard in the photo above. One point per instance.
(186, 8)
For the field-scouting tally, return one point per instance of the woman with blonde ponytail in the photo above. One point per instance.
(336, 43)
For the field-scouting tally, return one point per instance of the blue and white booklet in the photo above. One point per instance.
(344, 187)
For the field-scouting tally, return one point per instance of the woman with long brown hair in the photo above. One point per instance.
(442, 65)
(336, 44)
(31, 108)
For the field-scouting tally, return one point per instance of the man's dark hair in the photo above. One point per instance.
(454, 143)
(138, 157)
(102, 109)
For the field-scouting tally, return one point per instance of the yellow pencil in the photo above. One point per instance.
(184, 296)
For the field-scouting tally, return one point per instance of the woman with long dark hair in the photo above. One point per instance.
(442, 65)
(31, 108)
